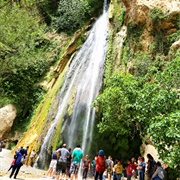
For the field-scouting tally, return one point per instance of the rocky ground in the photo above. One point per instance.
(26, 172)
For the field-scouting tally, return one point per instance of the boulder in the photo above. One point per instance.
(7, 116)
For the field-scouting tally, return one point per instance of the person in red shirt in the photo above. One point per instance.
(100, 165)
(129, 169)
(86, 166)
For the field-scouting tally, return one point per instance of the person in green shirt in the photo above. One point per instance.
(77, 155)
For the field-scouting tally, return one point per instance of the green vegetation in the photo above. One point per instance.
(25, 52)
(144, 101)
(160, 44)
(146, 106)
(66, 15)
(71, 14)
(23, 60)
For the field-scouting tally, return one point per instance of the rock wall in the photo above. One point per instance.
(7, 116)
(138, 14)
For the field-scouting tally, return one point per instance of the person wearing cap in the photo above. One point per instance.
(100, 165)
(62, 155)
(77, 155)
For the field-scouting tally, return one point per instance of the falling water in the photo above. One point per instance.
(83, 81)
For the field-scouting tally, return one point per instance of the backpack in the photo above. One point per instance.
(101, 163)
(108, 165)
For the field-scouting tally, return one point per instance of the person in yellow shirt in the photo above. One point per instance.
(118, 168)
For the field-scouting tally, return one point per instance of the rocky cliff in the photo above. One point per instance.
(144, 25)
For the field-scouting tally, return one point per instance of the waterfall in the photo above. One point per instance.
(83, 81)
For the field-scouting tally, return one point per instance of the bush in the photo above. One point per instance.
(71, 14)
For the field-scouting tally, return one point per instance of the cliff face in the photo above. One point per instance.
(141, 13)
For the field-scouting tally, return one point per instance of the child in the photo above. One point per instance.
(12, 164)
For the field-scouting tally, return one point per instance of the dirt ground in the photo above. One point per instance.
(26, 172)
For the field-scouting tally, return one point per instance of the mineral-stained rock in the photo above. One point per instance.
(7, 116)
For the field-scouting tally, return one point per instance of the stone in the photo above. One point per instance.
(7, 116)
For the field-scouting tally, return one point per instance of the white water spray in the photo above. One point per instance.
(84, 79)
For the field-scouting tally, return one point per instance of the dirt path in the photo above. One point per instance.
(26, 172)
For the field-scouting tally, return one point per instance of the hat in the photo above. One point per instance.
(101, 152)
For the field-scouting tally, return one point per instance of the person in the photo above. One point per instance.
(77, 155)
(26, 152)
(118, 168)
(109, 163)
(68, 164)
(1, 145)
(26, 155)
(17, 164)
(166, 173)
(150, 166)
(134, 168)
(141, 168)
(62, 155)
(129, 170)
(12, 164)
(52, 166)
(86, 166)
(159, 172)
(93, 164)
(100, 165)
(32, 155)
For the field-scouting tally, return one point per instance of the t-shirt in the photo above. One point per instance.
(118, 168)
(32, 154)
(64, 154)
(77, 155)
(54, 156)
(129, 169)
(86, 163)
(142, 165)
(93, 163)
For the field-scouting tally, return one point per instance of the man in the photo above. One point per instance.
(77, 155)
(62, 155)
(86, 166)
(52, 167)
(109, 163)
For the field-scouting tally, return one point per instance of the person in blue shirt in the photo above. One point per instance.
(17, 164)
(141, 168)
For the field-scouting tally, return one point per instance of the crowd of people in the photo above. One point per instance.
(67, 165)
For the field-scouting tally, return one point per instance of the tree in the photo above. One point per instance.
(152, 108)
(71, 14)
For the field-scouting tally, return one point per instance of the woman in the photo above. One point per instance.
(100, 165)
(159, 173)
(118, 168)
(150, 168)
(129, 170)
(17, 164)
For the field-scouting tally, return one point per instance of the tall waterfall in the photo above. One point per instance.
(82, 82)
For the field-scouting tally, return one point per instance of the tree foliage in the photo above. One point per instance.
(23, 58)
(152, 108)
(71, 14)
